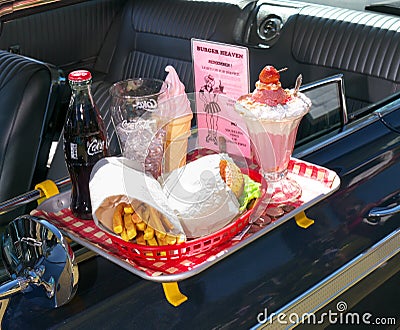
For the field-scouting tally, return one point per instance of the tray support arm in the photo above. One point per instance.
(47, 189)
(172, 293)
(302, 220)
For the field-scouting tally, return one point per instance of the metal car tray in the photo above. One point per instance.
(317, 183)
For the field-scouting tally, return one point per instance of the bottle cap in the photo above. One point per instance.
(79, 75)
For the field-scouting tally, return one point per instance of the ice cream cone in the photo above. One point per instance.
(177, 111)
(177, 134)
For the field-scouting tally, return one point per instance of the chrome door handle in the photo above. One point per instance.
(378, 212)
(378, 215)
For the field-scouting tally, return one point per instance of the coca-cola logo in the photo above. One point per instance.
(146, 104)
(138, 124)
(95, 147)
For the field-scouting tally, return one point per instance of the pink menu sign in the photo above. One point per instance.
(221, 75)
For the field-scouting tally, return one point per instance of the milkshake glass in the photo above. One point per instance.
(272, 116)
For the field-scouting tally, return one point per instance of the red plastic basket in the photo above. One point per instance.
(190, 247)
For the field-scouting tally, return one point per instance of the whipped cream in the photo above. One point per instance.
(294, 107)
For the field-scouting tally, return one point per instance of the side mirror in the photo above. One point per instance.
(40, 262)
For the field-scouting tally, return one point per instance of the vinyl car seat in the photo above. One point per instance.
(149, 36)
(28, 90)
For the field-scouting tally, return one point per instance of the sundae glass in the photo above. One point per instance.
(272, 115)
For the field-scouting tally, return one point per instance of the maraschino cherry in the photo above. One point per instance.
(269, 75)
(269, 89)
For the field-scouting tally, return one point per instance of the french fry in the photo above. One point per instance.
(154, 220)
(141, 226)
(152, 241)
(124, 235)
(118, 226)
(128, 210)
(136, 218)
(140, 239)
(166, 223)
(170, 240)
(143, 212)
(145, 224)
(162, 240)
(160, 234)
(148, 233)
(129, 226)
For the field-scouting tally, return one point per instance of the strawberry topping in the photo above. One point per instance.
(268, 89)
(269, 75)
(271, 97)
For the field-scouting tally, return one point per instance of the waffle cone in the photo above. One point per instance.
(177, 134)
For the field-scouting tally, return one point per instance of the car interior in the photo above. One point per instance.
(116, 40)
(349, 62)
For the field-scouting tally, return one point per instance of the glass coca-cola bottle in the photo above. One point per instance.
(85, 141)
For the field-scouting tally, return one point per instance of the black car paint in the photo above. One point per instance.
(268, 273)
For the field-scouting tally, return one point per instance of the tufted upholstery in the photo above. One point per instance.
(73, 32)
(158, 32)
(27, 96)
(155, 34)
(350, 40)
(366, 46)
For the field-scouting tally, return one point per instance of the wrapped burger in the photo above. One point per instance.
(208, 193)
(195, 200)
(131, 204)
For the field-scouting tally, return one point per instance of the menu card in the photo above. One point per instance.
(221, 75)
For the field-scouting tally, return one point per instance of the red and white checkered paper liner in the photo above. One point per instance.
(313, 179)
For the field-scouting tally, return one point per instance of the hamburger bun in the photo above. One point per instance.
(232, 176)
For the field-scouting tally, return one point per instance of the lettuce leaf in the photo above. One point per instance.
(251, 191)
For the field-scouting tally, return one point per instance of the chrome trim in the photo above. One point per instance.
(378, 212)
(83, 254)
(337, 283)
(336, 79)
(347, 130)
(3, 308)
(27, 197)
(350, 128)
(14, 6)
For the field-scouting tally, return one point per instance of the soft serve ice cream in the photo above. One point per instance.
(272, 115)
(177, 104)
(175, 107)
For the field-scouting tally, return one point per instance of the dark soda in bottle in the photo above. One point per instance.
(85, 141)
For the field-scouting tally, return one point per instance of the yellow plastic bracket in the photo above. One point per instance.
(47, 189)
(302, 220)
(173, 294)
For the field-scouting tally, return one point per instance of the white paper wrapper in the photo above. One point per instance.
(202, 200)
(114, 180)
(193, 198)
